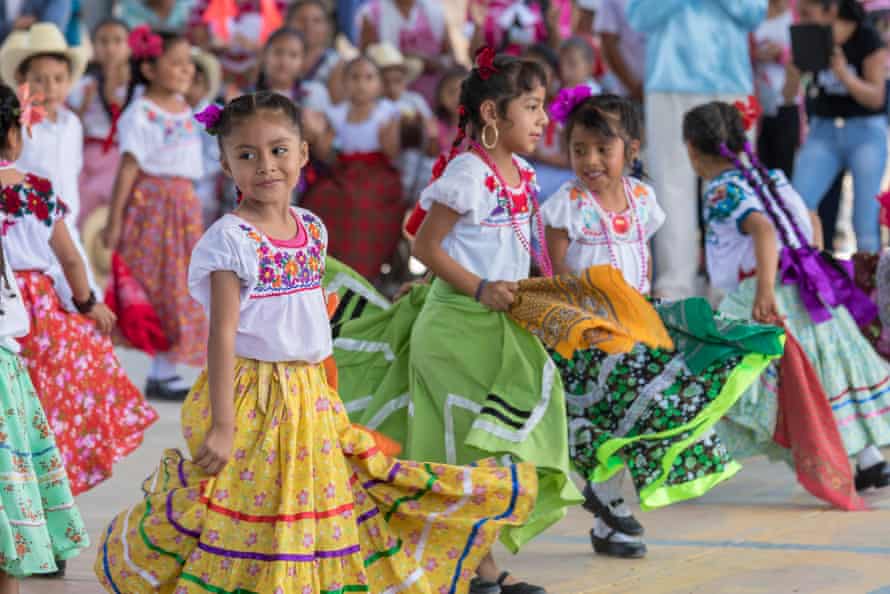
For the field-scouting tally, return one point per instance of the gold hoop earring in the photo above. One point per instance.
(493, 143)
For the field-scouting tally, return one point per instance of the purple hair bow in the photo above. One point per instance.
(567, 100)
(209, 117)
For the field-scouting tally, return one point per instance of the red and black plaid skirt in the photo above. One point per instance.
(361, 205)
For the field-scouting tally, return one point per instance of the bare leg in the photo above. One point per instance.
(8, 584)
(489, 571)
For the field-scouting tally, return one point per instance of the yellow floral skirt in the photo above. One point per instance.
(307, 505)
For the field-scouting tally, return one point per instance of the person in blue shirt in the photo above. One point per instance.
(697, 51)
(24, 13)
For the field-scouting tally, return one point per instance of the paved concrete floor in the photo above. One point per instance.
(758, 534)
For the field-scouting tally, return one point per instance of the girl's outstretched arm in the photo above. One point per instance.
(558, 245)
(76, 274)
(225, 300)
(496, 295)
(766, 251)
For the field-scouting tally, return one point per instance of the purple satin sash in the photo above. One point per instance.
(824, 284)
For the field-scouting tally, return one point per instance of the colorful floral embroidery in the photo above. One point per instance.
(283, 271)
(34, 196)
(722, 201)
(174, 127)
(510, 202)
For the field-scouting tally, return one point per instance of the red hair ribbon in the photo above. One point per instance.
(485, 62)
(144, 43)
(750, 111)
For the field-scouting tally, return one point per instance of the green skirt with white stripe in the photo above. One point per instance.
(455, 382)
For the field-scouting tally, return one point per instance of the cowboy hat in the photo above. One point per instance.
(91, 233)
(41, 38)
(386, 55)
(211, 68)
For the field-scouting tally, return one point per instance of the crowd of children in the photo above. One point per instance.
(341, 441)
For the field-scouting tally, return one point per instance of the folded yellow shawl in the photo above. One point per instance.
(594, 309)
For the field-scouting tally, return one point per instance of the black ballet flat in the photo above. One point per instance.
(876, 476)
(627, 525)
(480, 586)
(619, 550)
(58, 574)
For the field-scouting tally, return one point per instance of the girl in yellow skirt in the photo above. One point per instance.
(282, 494)
(155, 218)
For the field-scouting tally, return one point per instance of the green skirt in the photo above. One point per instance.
(357, 296)
(856, 379)
(455, 382)
(39, 522)
(648, 411)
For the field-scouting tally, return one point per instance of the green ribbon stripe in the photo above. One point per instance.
(416, 496)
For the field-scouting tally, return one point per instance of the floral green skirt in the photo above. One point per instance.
(38, 520)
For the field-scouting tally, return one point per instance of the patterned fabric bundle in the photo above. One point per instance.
(306, 505)
(595, 309)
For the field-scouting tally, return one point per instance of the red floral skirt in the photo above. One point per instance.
(162, 224)
(97, 415)
(361, 206)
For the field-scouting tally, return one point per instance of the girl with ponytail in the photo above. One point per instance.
(760, 250)
(481, 384)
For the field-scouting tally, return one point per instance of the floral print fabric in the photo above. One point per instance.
(39, 522)
(97, 415)
(306, 505)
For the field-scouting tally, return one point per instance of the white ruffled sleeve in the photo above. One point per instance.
(134, 133)
(460, 188)
(557, 210)
(223, 247)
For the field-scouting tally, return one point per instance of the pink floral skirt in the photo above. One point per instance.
(97, 177)
(96, 413)
(162, 224)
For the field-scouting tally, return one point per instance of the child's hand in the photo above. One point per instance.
(216, 450)
(499, 295)
(314, 123)
(104, 318)
(765, 310)
(406, 288)
(111, 235)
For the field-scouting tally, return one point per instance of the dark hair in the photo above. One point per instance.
(545, 52)
(848, 10)
(245, 106)
(511, 77)
(710, 126)
(296, 6)
(580, 44)
(168, 39)
(609, 116)
(455, 72)
(94, 69)
(262, 83)
(358, 60)
(10, 112)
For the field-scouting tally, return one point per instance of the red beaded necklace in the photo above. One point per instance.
(542, 257)
(622, 221)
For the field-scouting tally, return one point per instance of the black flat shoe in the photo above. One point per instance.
(162, 390)
(480, 586)
(877, 476)
(620, 550)
(58, 574)
(627, 525)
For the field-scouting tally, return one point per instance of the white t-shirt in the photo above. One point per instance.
(729, 199)
(310, 94)
(611, 17)
(54, 150)
(592, 229)
(360, 137)
(413, 103)
(770, 78)
(164, 144)
(483, 240)
(283, 314)
(15, 322)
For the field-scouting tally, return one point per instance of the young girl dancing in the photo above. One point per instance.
(645, 411)
(282, 493)
(48, 526)
(96, 413)
(156, 218)
(752, 214)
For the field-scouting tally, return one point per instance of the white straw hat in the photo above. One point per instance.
(41, 38)
(386, 55)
